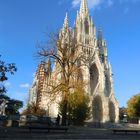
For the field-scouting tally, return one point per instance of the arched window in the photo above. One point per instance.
(86, 27)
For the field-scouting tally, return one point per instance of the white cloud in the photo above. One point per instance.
(19, 95)
(26, 85)
(127, 4)
(93, 4)
(129, 1)
(75, 3)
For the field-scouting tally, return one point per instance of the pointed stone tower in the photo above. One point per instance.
(97, 73)
(37, 93)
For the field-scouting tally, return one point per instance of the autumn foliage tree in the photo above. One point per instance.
(34, 110)
(133, 106)
(63, 52)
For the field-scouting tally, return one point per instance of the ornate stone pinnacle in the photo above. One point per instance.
(83, 8)
(65, 25)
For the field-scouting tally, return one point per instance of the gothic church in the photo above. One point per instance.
(104, 105)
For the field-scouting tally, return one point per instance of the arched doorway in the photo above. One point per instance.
(97, 109)
(94, 76)
(112, 112)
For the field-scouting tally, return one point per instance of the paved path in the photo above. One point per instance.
(72, 134)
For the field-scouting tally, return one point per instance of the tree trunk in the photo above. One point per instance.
(64, 113)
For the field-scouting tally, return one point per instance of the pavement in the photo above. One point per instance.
(74, 133)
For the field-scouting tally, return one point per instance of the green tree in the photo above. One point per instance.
(5, 68)
(13, 106)
(133, 106)
(78, 109)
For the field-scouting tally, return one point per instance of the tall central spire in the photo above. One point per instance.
(83, 8)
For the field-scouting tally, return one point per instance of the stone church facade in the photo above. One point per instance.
(98, 74)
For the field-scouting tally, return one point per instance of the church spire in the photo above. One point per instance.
(83, 8)
(65, 25)
(100, 35)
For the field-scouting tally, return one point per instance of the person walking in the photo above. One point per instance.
(58, 120)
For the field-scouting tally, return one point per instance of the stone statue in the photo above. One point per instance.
(2, 107)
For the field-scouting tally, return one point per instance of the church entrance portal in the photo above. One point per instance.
(97, 109)
(94, 76)
(111, 112)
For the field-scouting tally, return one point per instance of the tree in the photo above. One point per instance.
(78, 109)
(133, 106)
(65, 55)
(5, 68)
(122, 113)
(34, 110)
(12, 106)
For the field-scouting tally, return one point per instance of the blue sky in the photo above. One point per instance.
(23, 23)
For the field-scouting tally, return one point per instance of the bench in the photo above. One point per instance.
(49, 128)
(126, 131)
